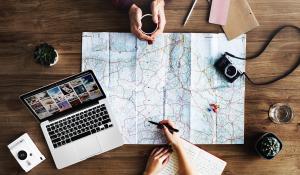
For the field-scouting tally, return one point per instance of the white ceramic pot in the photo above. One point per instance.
(56, 59)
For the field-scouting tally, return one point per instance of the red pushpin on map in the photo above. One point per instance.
(214, 107)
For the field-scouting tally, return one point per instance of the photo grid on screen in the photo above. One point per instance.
(65, 96)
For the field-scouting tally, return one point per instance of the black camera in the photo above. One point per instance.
(227, 69)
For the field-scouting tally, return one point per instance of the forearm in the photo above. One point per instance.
(185, 167)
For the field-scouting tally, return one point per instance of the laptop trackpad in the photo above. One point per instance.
(87, 147)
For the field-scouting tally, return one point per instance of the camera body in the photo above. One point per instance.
(25, 152)
(227, 69)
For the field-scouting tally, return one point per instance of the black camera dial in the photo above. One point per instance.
(230, 71)
(22, 155)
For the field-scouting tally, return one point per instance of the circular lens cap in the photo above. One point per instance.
(22, 155)
(230, 71)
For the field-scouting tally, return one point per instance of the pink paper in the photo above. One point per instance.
(219, 12)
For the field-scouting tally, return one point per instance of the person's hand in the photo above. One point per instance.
(158, 159)
(135, 17)
(173, 139)
(158, 13)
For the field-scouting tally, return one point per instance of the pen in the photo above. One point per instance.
(160, 126)
(188, 16)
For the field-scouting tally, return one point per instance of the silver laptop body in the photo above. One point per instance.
(74, 131)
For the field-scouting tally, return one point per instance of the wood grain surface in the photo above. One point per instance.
(26, 23)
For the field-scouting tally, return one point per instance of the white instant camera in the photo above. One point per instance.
(25, 152)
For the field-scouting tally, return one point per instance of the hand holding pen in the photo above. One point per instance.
(163, 123)
(175, 144)
(171, 134)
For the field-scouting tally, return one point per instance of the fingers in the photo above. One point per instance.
(165, 150)
(139, 19)
(158, 13)
(166, 161)
(154, 10)
(162, 19)
(157, 8)
(168, 134)
(153, 151)
(138, 33)
(157, 32)
(168, 122)
(136, 29)
(136, 24)
(162, 155)
(165, 156)
(159, 151)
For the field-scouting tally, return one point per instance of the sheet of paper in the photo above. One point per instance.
(174, 78)
(201, 161)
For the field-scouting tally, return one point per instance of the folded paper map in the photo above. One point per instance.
(172, 79)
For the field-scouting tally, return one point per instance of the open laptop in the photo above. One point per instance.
(75, 118)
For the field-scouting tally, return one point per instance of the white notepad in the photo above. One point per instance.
(203, 162)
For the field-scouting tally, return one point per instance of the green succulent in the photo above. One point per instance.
(269, 146)
(45, 54)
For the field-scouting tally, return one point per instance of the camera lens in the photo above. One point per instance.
(230, 71)
(22, 155)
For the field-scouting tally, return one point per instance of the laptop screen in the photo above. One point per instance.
(64, 95)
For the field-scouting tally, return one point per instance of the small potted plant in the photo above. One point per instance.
(268, 145)
(46, 55)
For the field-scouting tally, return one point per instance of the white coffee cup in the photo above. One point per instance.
(150, 16)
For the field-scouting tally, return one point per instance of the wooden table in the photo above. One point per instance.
(26, 23)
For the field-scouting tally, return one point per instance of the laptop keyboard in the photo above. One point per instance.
(79, 125)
